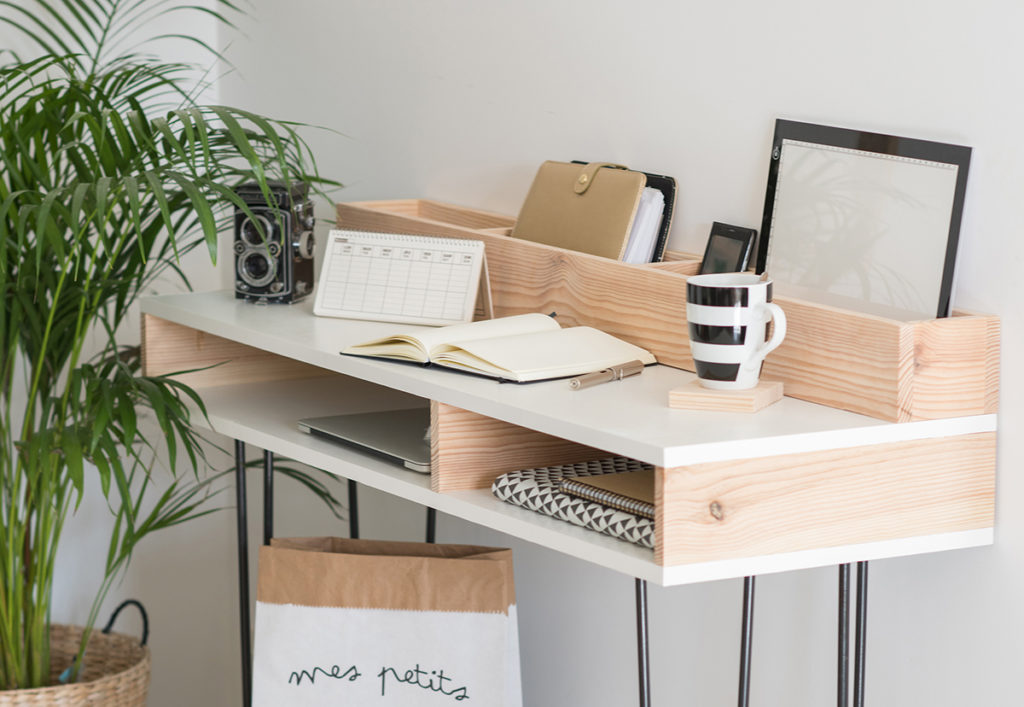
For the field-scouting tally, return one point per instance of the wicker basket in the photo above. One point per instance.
(116, 672)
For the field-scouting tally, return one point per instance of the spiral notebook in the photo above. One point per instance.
(391, 277)
(630, 491)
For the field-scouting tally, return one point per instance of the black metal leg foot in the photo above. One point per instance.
(843, 667)
(746, 641)
(353, 510)
(431, 525)
(243, 572)
(642, 644)
(268, 496)
(860, 635)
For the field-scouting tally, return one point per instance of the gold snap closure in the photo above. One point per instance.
(584, 179)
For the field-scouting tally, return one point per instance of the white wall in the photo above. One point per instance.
(460, 101)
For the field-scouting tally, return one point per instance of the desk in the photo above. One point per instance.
(945, 468)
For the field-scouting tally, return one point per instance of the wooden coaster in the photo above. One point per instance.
(693, 396)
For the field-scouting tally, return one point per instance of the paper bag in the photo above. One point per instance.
(384, 624)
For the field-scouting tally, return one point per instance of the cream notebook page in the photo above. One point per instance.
(547, 354)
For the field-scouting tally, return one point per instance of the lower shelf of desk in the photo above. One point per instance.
(264, 415)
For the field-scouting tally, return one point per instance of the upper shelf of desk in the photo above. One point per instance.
(630, 417)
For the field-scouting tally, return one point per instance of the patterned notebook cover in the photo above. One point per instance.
(539, 490)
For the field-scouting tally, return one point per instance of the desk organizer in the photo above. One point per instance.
(891, 370)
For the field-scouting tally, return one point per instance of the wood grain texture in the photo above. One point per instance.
(798, 502)
(891, 370)
(678, 266)
(440, 213)
(169, 348)
(675, 255)
(468, 451)
(956, 367)
(843, 359)
(693, 396)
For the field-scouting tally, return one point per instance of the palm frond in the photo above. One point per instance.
(109, 174)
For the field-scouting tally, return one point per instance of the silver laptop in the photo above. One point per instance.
(399, 435)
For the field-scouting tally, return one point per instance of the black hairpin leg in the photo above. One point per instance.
(353, 510)
(860, 636)
(431, 525)
(243, 571)
(268, 496)
(746, 641)
(843, 667)
(642, 644)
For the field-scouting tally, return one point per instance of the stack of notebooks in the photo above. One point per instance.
(614, 496)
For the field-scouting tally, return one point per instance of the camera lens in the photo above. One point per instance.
(256, 268)
(256, 230)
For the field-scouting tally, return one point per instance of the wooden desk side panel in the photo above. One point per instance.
(169, 348)
(956, 367)
(798, 502)
(468, 451)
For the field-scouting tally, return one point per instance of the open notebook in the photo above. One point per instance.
(521, 348)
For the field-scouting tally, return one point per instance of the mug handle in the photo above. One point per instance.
(778, 331)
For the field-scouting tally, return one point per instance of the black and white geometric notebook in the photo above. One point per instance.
(540, 490)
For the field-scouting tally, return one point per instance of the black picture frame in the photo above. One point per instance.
(880, 144)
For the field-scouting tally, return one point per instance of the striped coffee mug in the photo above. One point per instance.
(728, 315)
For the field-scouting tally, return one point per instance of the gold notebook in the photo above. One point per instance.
(583, 207)
(630, 491)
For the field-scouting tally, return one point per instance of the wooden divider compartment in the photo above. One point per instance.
(469, 451)
(892, 370)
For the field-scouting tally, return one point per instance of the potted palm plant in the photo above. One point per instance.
(109, 173)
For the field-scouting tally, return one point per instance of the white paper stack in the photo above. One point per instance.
(643, 236)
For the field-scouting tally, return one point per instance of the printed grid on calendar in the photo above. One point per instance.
(399, 278)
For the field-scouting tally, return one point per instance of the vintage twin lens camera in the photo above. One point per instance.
(274, 247)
